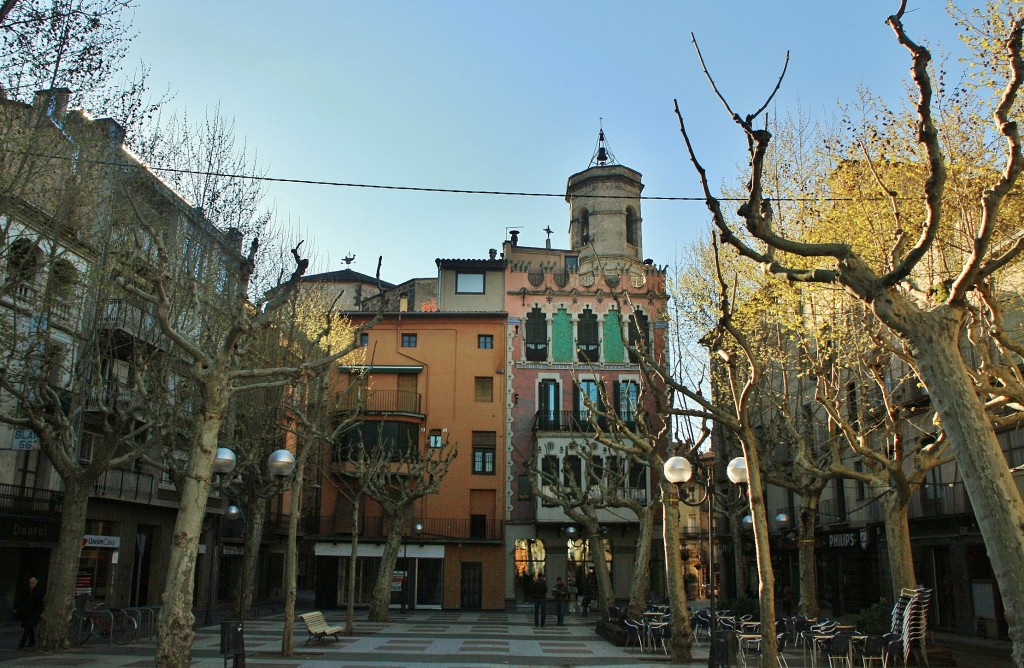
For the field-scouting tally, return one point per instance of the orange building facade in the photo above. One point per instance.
(434, 378)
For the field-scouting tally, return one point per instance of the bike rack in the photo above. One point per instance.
(135, 614)
(145, 620)
(110, 621)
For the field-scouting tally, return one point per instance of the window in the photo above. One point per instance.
(587, 389)
(483, 452)
(435, 439)
(549, 477)
(627, 394)
(530, 557)
(584, 227)
(596, 472)
(485, 341)
(525, 492)
(22, 263)
(586, 336)
(572, 262)
(484, 389)
(861, 487)
(63, 278)
(632, 227)
(408, 340)
(638, 477)
(549, 405)
(478, 527)
(638, 334)
(536, 336)
(364, 339)
(395, 437)
(573, 473)
(469, 282)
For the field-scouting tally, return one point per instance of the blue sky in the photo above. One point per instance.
(506, 97)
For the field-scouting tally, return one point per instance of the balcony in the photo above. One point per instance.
(125, 485)
(111, 395)
(435, 529)
(938, 501)
(127, 317)
(573, 421)
(18, 500)
(382, 401)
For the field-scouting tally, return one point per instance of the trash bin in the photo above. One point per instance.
(232, 643)
(723, 648)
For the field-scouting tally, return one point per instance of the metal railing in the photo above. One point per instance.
(130, 318)
(30, 500)
(433, 528)
(382, 401)
(126, 485)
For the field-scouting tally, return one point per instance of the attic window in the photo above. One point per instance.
(469, 282)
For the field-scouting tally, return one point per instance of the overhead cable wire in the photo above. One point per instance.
(456, 191)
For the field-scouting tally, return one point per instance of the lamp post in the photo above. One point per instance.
(223, 464)
(680, 471)
(280, 465)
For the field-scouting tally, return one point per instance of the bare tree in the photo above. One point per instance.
(394, 476)
(930, 323)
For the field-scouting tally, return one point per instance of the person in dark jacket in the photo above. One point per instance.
(30, 610)
(540, 595)
(560, 593)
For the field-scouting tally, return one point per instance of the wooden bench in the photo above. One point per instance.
(317, 627)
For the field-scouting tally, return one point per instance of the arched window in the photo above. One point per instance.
(584, 227)
(529, 558)
(639, 334)
(63, 278)
(536, 336)
(632, 227)
(22, 261)
(586, 336)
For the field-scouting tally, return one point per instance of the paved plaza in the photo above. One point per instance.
(427, 638)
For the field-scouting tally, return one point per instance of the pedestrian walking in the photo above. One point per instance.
(560, 593)
(540, 595)
(30, 610)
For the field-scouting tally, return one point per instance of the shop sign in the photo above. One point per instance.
(90, 540)
(232, 550)
(24, 439)
(848, 539)
(28, 530)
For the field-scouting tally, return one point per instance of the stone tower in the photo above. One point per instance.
(604, 211)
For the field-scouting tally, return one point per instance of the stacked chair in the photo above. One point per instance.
(909, 626)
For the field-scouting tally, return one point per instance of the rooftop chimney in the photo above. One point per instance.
(493, 252)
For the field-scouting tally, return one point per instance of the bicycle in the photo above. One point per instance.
(88, 619)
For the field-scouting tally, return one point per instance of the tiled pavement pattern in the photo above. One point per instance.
(414, 640)
(417, 639)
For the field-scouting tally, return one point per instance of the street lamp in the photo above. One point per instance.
(680, 471)
(406, 602)
(280, 465)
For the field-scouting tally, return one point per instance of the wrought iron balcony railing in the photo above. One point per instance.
(434, 529)
(382, 401)
(125, 485)
(573, 421)
(30, 500)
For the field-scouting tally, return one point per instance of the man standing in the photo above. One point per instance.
(559, 592)
(30, 610)
(540, 595)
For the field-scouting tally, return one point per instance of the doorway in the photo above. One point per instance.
(472, 585)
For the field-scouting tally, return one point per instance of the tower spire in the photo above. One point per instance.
(602, 152)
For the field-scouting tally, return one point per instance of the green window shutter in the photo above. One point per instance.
(614, 351)
(561, 337)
